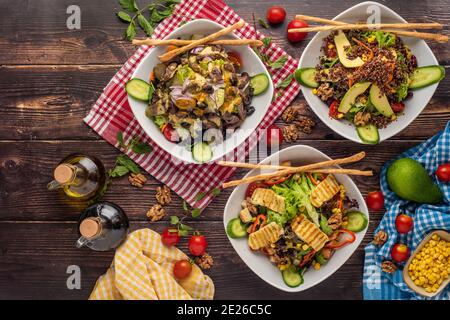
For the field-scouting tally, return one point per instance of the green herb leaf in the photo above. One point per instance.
(131, 31)
(183, 233)
(263, 24)
(195, 213)
(120, 139)
(124, 16)
(150, 92)
(145, 25)
(129, 5)
(118, 171)
(215, 192)
(141, 148)
(200, 196)
(185, 206)
(123, 160)
(184, 227)
(266, 41)
(155, 17)
(174, 220)
(279, 63)
(286, 82)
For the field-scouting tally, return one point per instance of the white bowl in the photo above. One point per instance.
(259, 263)
(251, 64)
(414, 106)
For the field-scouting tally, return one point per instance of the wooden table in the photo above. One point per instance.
(51, 76)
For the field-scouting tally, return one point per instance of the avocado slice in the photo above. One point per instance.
(410, 181)
(350, 97)
(341, 42)
(379, 101)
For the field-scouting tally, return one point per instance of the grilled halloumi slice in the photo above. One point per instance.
(266, 235)
(269, 199)
(324, 191)
(309, 232)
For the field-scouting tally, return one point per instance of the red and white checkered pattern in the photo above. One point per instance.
(111, 113)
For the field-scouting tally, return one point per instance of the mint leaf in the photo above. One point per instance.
(279, 63)
(123, 160)
(120, 139)
(266, 41)
(174, 220)
(195, 213)
(131, 31)
(118, 171)
(141, 148)
(215, 192)
(286, 82)
(129, 5)
(145, 25)
(200, 196)
(124, 16)
(263, 24)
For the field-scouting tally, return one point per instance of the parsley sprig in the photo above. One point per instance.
(147, 18)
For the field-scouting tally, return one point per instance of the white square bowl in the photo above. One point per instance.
(251, 64)
(259, 263)
(414, 106)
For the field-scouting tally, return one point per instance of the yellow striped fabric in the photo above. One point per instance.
(142, 270)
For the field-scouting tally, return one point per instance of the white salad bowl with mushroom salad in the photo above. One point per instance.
(367, 85)
(296, 231)
(201, 104)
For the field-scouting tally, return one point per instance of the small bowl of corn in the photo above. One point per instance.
(427, 271)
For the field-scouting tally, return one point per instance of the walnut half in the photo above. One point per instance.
(137, 180)
(156, 213)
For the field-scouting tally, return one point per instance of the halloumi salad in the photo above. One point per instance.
(297, 221)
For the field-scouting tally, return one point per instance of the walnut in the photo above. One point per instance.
(156, 213)
(361, 118)
(137, 179)
(324, 91)
(388, 266)
(305, 124)
(380, 238)
(290, 132)
(335, 221)
(205, 261)
(163, 195)
(290, 114)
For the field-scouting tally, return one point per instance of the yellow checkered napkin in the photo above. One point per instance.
(143, 269)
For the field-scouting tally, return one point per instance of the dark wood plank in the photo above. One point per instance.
(35, 257)
(45, 39)
(43, 102)
(26, 168)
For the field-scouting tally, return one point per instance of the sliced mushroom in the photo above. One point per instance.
(159, 70)
(170, 71)
(231, 120)
(213, 136)
(243, 79)
(215, 119)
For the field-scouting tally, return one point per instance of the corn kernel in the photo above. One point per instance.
(305, 247)
(314, 91)
(316, 266)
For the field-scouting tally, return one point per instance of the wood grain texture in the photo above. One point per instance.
(50, 77)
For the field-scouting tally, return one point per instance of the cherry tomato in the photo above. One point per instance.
(197, 245)
(170, 237)
(404, 223)
(274, 134)
(276, 15)
(375, 200)
(296, 36)
(182, 269)
(170, 133)
(398, 107)
(400, 252)
(443, 172)
(333, 111)
(235, 59)
(252, 187)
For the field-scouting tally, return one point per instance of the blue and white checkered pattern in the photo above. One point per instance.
(378, 285)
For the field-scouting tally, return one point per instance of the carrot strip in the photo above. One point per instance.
(371, 54)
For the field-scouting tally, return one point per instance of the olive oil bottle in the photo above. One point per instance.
(80, 177)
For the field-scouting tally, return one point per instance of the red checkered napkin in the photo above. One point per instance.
(112, 113)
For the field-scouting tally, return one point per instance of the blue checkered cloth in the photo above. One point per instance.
(378, 285)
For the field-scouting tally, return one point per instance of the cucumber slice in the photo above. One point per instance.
(368, 134)
(292, 277)
(138, 89)
(259, 83)
(202, 152)
(305, 76)
(426, 76)
(357, 221)
(236, 229)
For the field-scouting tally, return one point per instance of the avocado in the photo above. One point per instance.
(342, 43)
(410, 181)
(379, 101)
(350, 96)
